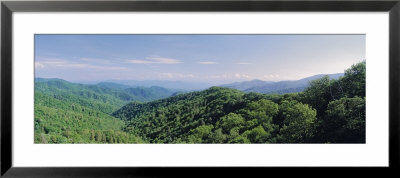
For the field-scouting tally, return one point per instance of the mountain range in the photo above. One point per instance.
(106, 96)
(175, 85)
(132, 90)
(281, 87)
(329, 111)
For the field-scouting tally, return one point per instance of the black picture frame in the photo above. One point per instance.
(8, 7)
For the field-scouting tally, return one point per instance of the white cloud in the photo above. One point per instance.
(176, 75)
(232, 76)
(53, 63)
(97, 60)
(207, 62)
(222, 76)
(39, 65)
(271, 76)
(167, 75)
(155, 60)
(76, 65)
(243, 63)
(140, 62)
(59, 63)
(165, 60)
(242, 76)
(107, 67)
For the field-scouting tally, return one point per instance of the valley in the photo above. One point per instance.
(317, 109)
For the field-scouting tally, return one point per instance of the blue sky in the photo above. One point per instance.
(216, 59)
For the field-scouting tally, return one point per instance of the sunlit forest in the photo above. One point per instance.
(328, 110)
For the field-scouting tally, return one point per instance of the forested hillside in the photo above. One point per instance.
(75, 113)
(60, 121)
(105, 97)
(328, 111)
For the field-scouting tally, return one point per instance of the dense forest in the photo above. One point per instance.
(326, 111)
(75, 113)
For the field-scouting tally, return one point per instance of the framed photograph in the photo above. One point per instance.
(159, 88)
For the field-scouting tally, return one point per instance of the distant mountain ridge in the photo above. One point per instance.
(246, 84)
(144, 91)
(113, 85)
(108, 96)
(174, 85)
(281, 87)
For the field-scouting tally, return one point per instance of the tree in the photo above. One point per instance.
(230, 121)
(200, 134)
(345, 121)
(267, 107)
(318, 94)
(260, 112)
(218, 136)
(353, 80)
(257, 135)
(240, 139)
(298, 122)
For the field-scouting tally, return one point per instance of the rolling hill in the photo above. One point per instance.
(177, 119)
(327, 111)
(106, 97)
(68, 112)
(281, 87)
(175, 85)
(60, 121)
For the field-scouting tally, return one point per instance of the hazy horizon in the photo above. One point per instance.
(213, 59)
(194, 85)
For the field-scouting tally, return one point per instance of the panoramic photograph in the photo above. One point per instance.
(199, 89)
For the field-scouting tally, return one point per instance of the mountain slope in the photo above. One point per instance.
(76, 113)
(104, 97)
(177, 119)
(58, 121)
(149, 94)
(280, 87)
(246, 85)
(179, 85)
(113, 85)
(98, 98)
(327, 111)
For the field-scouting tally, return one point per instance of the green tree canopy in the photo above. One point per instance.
(345, 121)
(298, 122)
